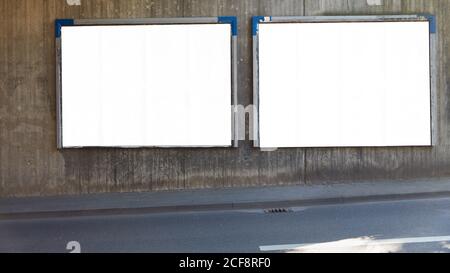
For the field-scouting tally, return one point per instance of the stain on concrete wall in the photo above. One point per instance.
(374, 2)
(73, 2)
(30, 164)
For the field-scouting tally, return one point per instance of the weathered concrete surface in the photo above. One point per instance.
(31, 165)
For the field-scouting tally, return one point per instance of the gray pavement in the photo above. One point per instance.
(413, 225)
(219, 199)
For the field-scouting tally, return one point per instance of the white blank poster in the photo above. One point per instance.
(146, 85)
(344, 84)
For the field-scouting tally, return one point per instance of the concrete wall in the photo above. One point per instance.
(30, 164)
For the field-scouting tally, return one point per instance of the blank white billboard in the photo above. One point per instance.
(344, 84)
(146, 85)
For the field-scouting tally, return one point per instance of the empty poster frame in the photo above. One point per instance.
(231, 20)
(431, 19)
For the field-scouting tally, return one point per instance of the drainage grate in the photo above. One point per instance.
(278, 210)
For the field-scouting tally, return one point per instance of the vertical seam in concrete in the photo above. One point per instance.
(305, 165)
(217, 10)
(185, 156)
(304, 7)
(182, 8)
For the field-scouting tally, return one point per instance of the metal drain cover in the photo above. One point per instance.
(278, 210)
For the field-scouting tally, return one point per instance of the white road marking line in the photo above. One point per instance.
(358, 242)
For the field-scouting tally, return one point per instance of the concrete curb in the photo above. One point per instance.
(219, 199)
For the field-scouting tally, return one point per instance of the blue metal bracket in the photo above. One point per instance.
(232, 20)
(60, 23)
(255, 22)
(433, 21)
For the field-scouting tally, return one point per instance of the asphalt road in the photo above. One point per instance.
(421, 225)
